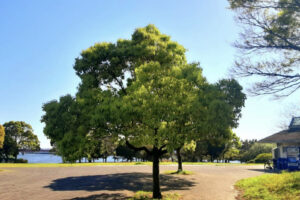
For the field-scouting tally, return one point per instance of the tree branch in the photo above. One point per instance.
(138, 148)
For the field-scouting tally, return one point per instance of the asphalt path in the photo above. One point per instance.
(119, 182)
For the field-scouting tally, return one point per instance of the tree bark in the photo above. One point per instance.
(155, 175)
(179, 159)
(156, 153)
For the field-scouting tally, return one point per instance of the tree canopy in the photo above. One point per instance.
(22, 134)
(140, 92)
(271, 29)
(19, 136)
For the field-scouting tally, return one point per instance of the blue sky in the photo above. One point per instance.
(39, 41)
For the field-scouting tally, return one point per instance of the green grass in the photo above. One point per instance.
(183, 172)
(285, 186)
(9, 165)
(142, 195)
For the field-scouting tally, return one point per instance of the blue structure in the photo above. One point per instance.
(286, 156)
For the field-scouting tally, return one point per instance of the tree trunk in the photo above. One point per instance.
(155, 175)
(179, 160)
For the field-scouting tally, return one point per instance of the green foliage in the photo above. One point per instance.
(255, 150)
(246, 145)
(285, 186)
(231, 151)
(2, 136)
(10, 149)
(232, 154)
(156, 98)
(125, 152)
(21, 160)
(22, 134)
(262, 158)
(19, 136)
(67, 128)
(141, 92)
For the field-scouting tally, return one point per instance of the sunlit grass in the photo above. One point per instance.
(183, 172)
(285, 186)
(142, 195)
(3, 165)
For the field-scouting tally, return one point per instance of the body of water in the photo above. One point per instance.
(49, 158)
(40, 158)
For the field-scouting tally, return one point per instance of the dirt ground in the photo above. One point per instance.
(118, 182)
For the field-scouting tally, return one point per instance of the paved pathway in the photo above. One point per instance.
(117, 182)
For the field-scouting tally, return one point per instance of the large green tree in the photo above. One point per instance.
(67, 128)
(126, 69)
(19, 136)
(224, 101)
(141, 92)
(270, 28)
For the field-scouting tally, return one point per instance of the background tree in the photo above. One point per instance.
(231, 151)
(2, 136)
(271, 29)
(255, 150)
(10, 150)
(247, 144)
(69, 126)
(125, 152)
(19, 136)
(61, 125)
(224, 101)
(191, 113)
(22, 134)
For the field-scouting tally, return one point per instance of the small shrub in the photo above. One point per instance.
(21, 160)
(263, 157)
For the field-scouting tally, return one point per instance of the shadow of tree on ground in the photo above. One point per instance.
(104, 196)
(265, 171)
(120, 181)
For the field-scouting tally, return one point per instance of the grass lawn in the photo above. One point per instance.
(141, 195)
(108, 164)
(285, 186)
